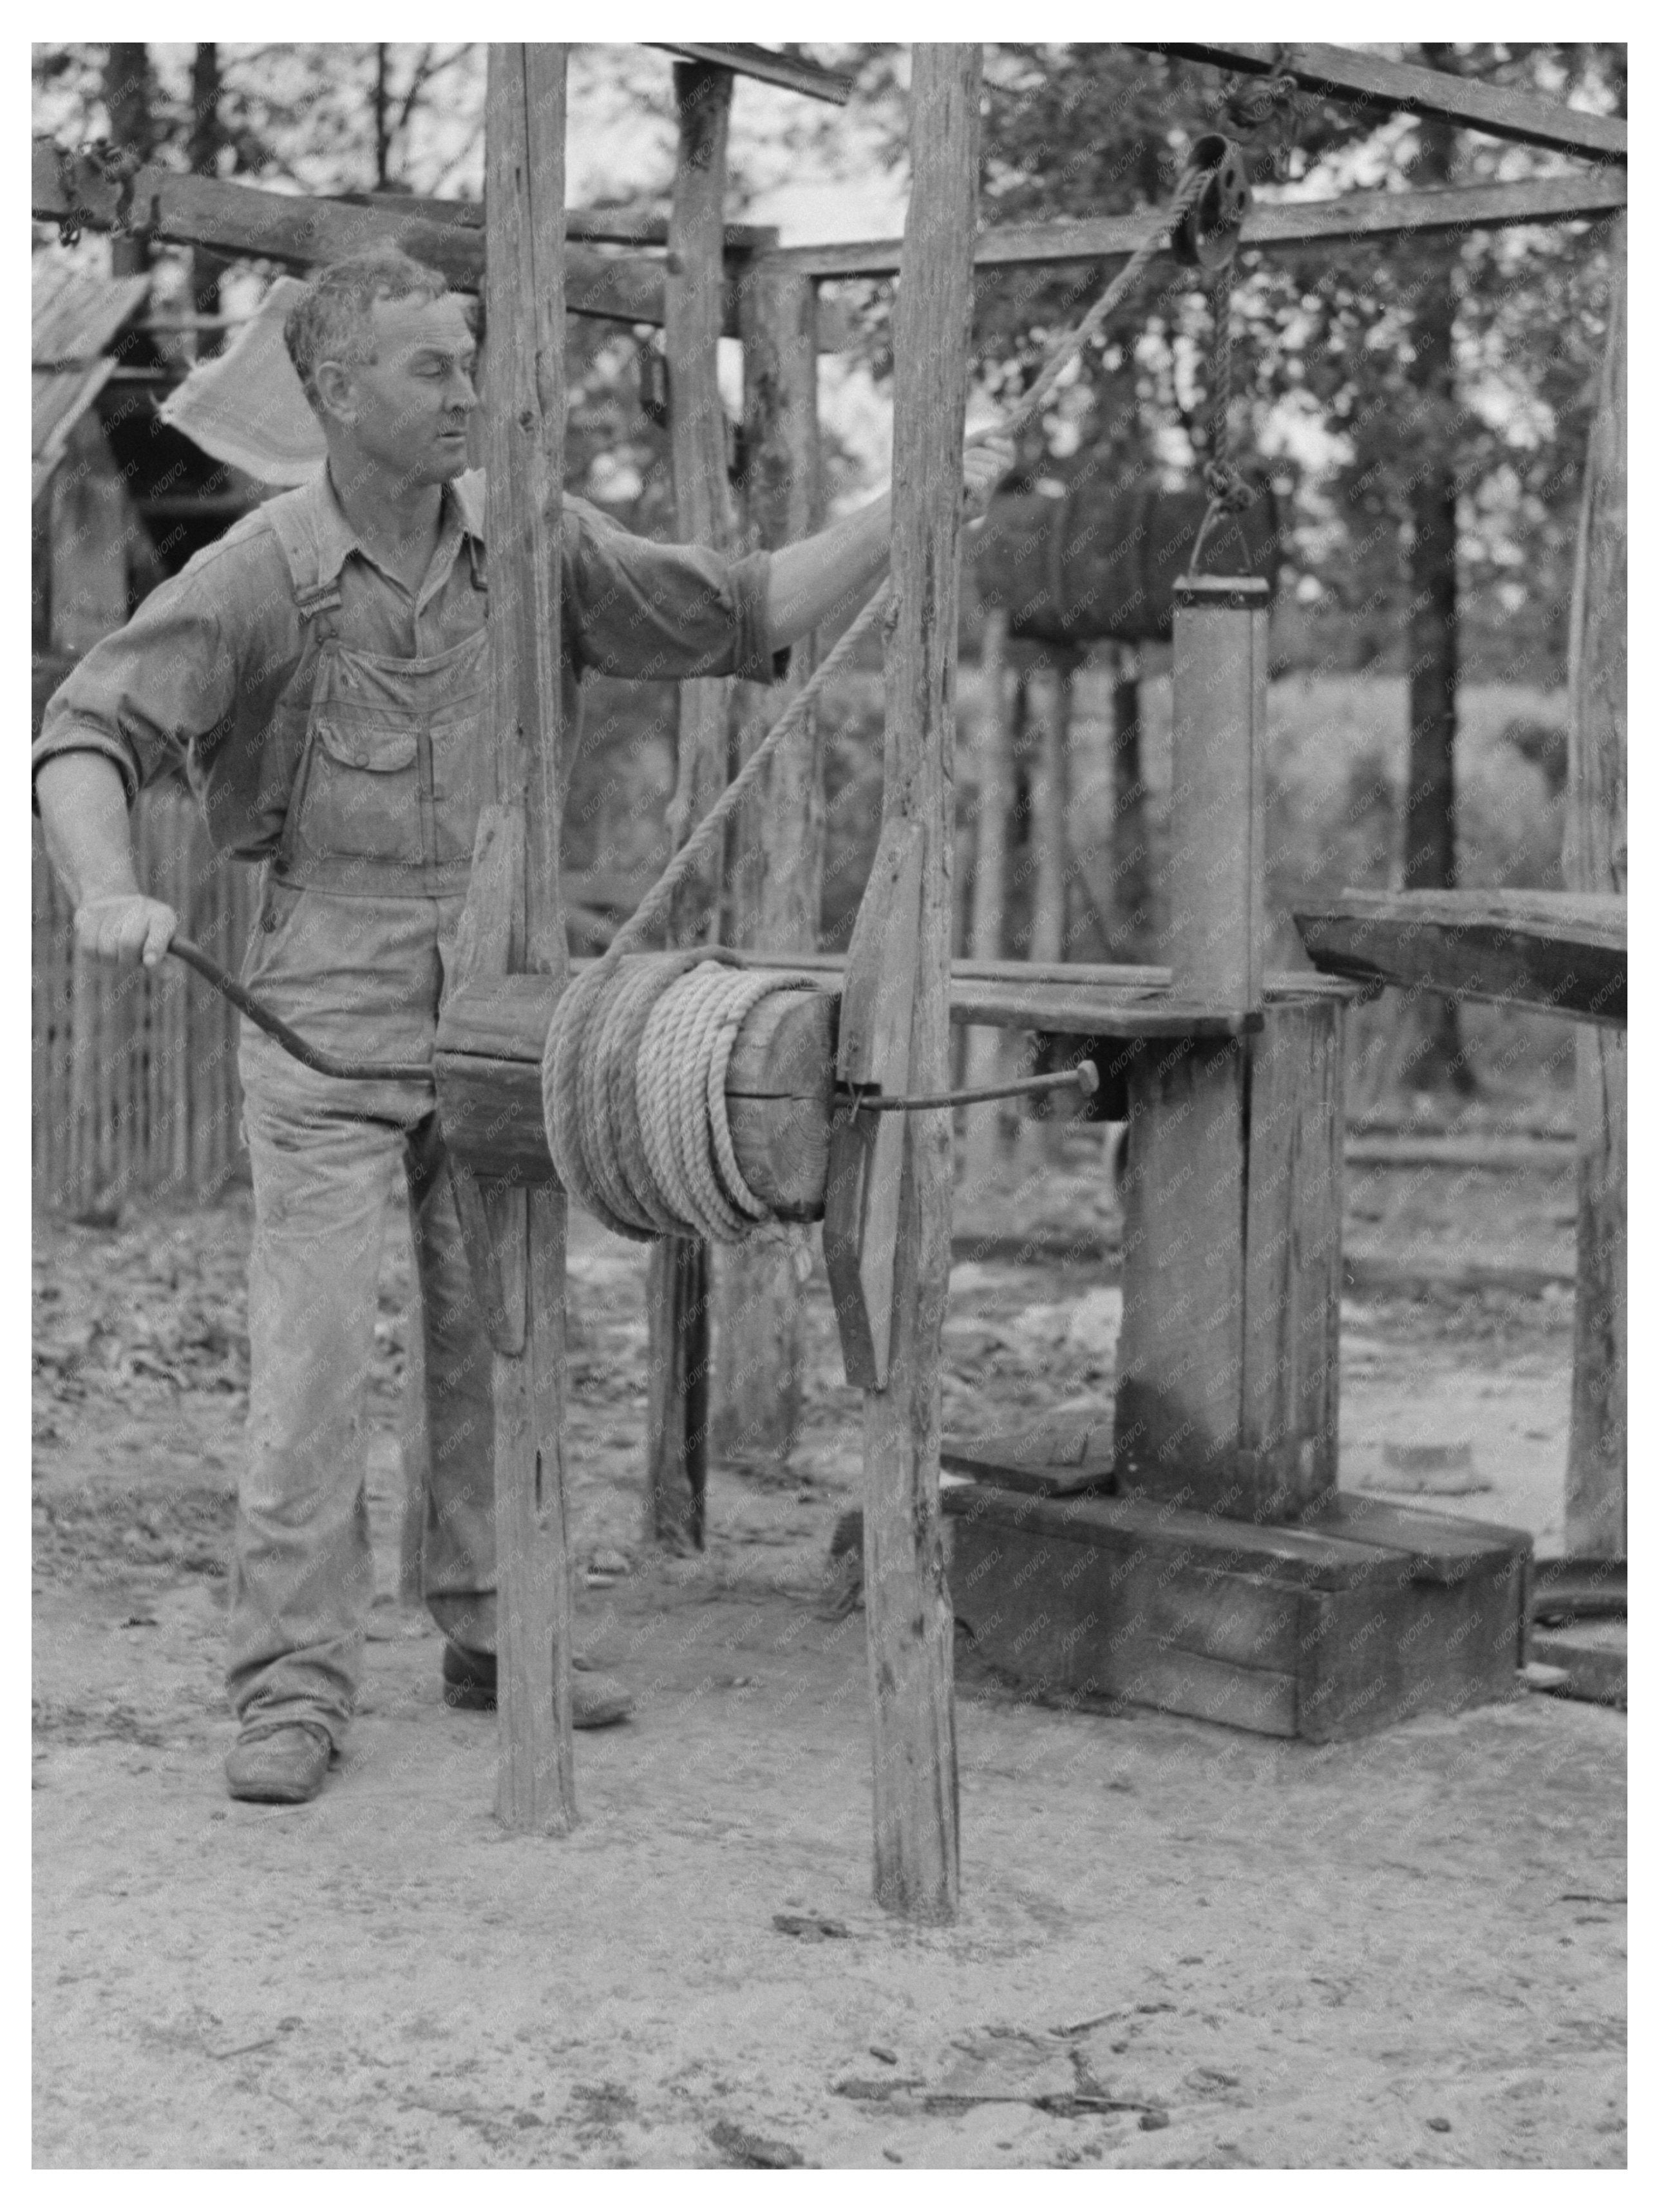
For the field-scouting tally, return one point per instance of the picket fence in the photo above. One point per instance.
(133, 1076)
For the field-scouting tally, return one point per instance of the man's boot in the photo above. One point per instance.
(281, 1764)
(596, 1700)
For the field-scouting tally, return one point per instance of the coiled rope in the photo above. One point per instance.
(634, 1068)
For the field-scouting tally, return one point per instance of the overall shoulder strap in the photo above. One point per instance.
(292, 519)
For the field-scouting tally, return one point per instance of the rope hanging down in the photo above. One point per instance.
(634, 1069)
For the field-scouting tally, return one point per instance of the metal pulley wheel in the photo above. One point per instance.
(1207, 235)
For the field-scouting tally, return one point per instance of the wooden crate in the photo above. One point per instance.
(1329, 1629)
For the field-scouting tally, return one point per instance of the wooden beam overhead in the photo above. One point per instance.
(1349, 73)
(792, 71)
(1271, 227)
(301, 232)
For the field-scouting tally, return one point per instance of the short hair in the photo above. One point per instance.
(330, 321)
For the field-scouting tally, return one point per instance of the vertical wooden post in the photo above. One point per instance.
(776, 875)
(1132, 918)
(982, 1150)
(1226, 1383)
(1218, 805)
(677, 1285)
(1595, 860)
(524, 427)
(908, 1604)
(1051, 698)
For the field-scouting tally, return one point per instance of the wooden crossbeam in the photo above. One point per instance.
(1348, 73)
(1559, 952)
(792, 71)
(301, 232)
(1271, 227)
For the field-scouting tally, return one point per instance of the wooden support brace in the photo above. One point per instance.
(866, 1150)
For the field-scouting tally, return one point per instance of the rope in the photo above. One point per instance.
(632, 1074)
(635, 1093)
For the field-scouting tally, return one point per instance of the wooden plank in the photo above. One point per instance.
(867, 1152)
(1177, 1535)
(1595, 862)
(1559, 952)
(1271, 226)
(1373, 79)
(1291, 1318)
(1440, 1547)
(302, 232)
(1073, 1621)
(907, 1614)
(1180, 1351)
(507, 1017)
(1383, 1655)
(1218, 801)
(775, 871)
(524, 430)
(677, 1271)
(792, 71)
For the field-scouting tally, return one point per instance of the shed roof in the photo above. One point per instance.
(76, 318)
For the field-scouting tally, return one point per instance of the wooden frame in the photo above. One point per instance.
(1346, 74)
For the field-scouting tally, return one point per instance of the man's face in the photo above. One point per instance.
(408, 408)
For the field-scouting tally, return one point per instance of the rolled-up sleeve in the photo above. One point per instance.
(145, 695)
(638, 609)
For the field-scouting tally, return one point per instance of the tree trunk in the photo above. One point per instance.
(777, 874)
(132, 129)
(1594, 859)
(1432, 1057)
(677, 1285)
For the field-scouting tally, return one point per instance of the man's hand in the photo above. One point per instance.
(986, 460)
(124, 928)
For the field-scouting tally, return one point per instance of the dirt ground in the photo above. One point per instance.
(1411, 1948)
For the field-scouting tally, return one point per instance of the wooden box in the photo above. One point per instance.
(1330, 1629)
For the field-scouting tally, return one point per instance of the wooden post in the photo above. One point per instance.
(676, 1288)
(776, 875)
(982, 1149)
(1131, 919)
(524, 424)
(1595, 860)
(1218, 804)
(1051, 697)
(908, 1604)
(1227, 1376)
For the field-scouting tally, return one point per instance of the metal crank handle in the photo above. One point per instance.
(1083, 1078)
(320, 1063)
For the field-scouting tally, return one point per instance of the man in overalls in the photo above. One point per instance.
(319, 672)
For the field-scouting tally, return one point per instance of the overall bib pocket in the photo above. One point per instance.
(362, 790)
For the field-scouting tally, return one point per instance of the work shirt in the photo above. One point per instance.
(192, 681)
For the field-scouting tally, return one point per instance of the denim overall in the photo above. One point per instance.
(354, 948)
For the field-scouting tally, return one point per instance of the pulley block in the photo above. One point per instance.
(1207, 235)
